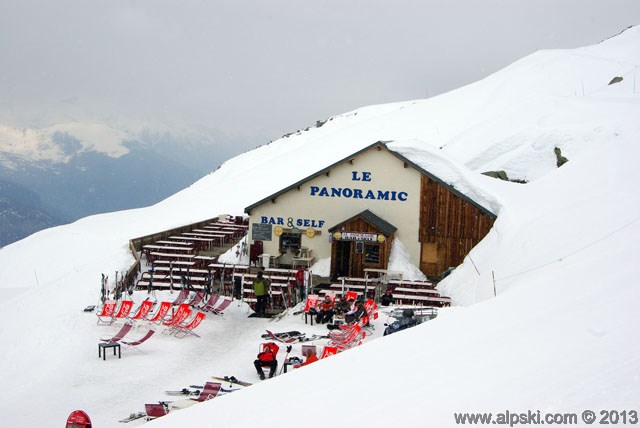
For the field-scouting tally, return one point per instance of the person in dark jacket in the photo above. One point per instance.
(341, 306)
(387, 298)
(267, 358)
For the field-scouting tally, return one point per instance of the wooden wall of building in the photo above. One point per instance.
(450, 226)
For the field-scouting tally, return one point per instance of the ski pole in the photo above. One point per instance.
(285, 359)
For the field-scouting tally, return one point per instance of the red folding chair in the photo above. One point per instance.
(155, 411)
(106, 315)
(162, 312)
(210, 390)
(143, 310)
(329, 351)
(187, 327)
(180, 315)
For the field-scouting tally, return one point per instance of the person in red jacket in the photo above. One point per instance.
(311, 357)
(325, 310)
(267, 358)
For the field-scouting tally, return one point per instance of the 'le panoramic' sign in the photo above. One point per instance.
(355, 193)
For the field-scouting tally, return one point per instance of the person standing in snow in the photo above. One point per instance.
(260, 285)
(300, 282)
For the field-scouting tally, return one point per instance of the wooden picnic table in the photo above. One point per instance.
(180, 263)
(203, 243)
(173, 243)
(171, 256)
(178, 248)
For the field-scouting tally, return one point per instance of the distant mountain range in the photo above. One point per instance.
(61, 173)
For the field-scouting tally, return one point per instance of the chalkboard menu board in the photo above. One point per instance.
(260, 232)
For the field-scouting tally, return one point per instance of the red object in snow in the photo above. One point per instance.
(78, 419)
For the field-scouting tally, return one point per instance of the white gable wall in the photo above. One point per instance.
(373, 170)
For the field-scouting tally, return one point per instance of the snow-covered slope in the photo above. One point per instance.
(554, 332)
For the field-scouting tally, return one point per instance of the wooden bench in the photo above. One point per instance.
(178, 263)
(421, 300)
(182, 270)
(164, 285)
(169, 256)
(406, 290)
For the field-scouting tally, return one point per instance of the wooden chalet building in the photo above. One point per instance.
(353, 210)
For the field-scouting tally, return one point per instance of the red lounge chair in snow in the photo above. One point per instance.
(210, 390)
(106, 315)
(351, 295)
(162, 312)
(141, 340)
(311, 303)
(180, 315)
(221, 307)
(329, 351)
(143, 310)
(197, 298)
(119, 335)
(155, 411)
(184, 294)
(213, 299)
(188, 327)
(125, 308)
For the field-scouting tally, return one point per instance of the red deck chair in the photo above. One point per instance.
(119, 335)
(371, 308)
(329, 351)
(221, 307)
(155, 411)
(162, 312)
(106, 315)
(143, 310)
(312, 302)
(180, 315)
(211, 302)
(197, 298)
(210, 390)
(187, 328)
(351, 295)
(182, 296)
(141, 340)
(125, 308)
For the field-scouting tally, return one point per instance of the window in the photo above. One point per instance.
(290, 241)
(372, 253)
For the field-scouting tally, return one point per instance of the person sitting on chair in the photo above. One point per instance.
(341, 307)
(267, 358)
(356, 313)
(311, 357)
(387, 298)
(325, 312)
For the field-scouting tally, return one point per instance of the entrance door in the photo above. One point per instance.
(343, 258)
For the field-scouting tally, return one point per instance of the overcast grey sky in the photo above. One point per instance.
(263, 68)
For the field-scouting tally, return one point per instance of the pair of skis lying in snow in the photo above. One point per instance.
(291, 337)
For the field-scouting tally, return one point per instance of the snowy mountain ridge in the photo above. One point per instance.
(546, 313)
